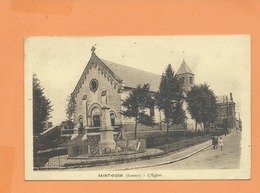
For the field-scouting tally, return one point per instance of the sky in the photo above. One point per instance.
(223, 62)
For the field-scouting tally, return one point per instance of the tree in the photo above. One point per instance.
(70, 111)
(136, 104)
(169, 98)
(41, 107)
(201, 102)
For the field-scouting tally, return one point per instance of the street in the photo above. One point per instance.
(210, 158)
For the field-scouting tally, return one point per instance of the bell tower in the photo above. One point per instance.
(186, 76)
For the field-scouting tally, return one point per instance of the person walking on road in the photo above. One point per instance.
(215, 142)
(221, 144)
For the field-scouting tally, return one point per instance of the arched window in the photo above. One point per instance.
(81, 128)
(191, 80)
(96, 122)
(113, 118)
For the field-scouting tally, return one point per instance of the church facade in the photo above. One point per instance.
(104, 82)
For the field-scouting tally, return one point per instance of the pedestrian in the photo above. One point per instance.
(221, 143)
(215, 142)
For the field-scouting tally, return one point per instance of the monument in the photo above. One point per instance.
(107, 142)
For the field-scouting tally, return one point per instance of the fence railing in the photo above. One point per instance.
(184, 143)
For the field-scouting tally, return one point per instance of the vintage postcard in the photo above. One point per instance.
(138, 107)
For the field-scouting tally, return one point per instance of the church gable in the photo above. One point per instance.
(97, 86)
(103, 70)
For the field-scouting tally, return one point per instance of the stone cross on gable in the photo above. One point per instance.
(93, 49)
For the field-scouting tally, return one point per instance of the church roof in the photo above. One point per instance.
(130, 76)
(184, 68)
(133, 76)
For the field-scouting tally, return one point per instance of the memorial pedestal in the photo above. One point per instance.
(107, 142)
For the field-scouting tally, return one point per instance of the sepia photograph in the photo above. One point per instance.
(137, 107)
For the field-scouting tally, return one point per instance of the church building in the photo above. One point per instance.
(104, 82)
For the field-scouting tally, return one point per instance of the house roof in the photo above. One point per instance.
(184, 68)
(133, 76)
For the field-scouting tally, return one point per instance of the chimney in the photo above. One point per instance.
(231, 98)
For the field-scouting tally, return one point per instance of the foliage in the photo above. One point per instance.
(201, 102)
(136, 103)
(169, 98)
(41, 107)
(70, 111)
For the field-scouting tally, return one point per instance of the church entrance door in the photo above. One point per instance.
(96, 117)
(96, 120)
